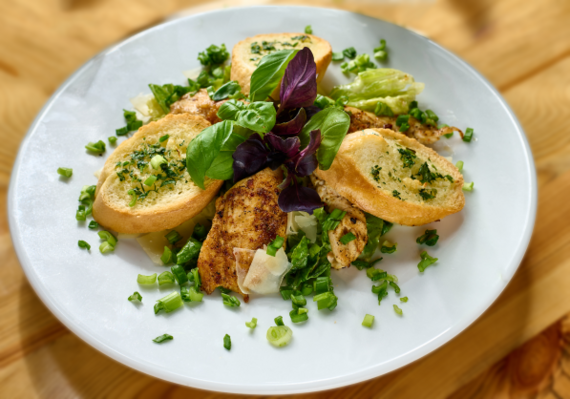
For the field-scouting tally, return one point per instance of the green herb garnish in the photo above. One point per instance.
(136, 297)
(426, 261)
(468, 136)
(429, 238)
(163, 338)
(146, 280)
(84, 245)
(230, 301)
(468, 186)
(308, 30)
(227, 342)
(96, 148)
(251, 324)
(407, 156)
(348, 237)
(65, 172)
(368, 321)
(398, 310)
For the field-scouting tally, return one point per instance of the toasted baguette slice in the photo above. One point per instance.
(395, 192)
(244, 61)
(169, 205)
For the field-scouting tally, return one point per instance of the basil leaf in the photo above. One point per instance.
(229, 89)
(222, 167)
(268, 74)
(205, 148)
(333, 124)
(258, 116)
(229, 110)
(167, 94)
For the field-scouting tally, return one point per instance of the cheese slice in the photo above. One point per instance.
(264, 274)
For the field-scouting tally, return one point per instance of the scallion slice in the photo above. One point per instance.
(65, 172)
(166, 256)
(398, 310)
(468, 136)
(429, 238)
(133, 195)
(80, 214)
(348, 237)
(468, 186)
(93, 225)
(165, 278)
(299, 300)
(285, 292)
(180, 274)
(171, 302)
(106, 236)
(321, 285)
(149, 181)
(426, 261)
(83, 244)
(163, 338)
(156, 161)
(135, 297)
(459, 165)
(368, 320)
(404, 299)
(146, 280)
(162, 139)
(96, 148)
(279, 321)
(173, 237)
(251, 324)
(388, 247)
(395, 286)
(279, 336)
(275, 245)
(196, 278)
(227, 342)
(308, 30)
(339, 56)
(112, 140)
(325, 300)
(230, 301)
(105, 247)
(299, 315)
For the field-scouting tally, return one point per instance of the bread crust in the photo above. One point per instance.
(144, 220)
(242, 67)
(345, 177)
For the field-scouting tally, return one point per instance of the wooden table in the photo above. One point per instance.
(522, 46)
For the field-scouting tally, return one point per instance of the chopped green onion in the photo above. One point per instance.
(165, 278)
(395, 286)
(166, 256)
(65, 172)
(146, 280)
(299, 300)
(306, 289)
(190, 294)
(97, 148)
(157, 160)
(227, 342)
(404, 299)
(123, 131)
(349, 53)
(348, 237)
(163, 138)
(431, 115)
(426, 261)
(381, 290)
(150, 180)
(112, 140)
(299, 315)
(401, 119)
(279, 321)
(93, 225)
(325, 300)
(429, 238)
(279, 336)
(106, 236)
(105, 247)
(368, 321)
(196, 278)
(83, 244)
(173, 237)
(333, 220)
(171, 302)
(405, 126)
(180, 274)
(251, 324)
(459, 165)
(190, 251)
(381, 53)
(341, 101)
(468, 186)
(133, 195)
(388, 247)
(163, 338)
(285, 292)
(135, 297)
(398, 310)
(376, 274)
(338, 56)
(200, 232)
(158, 307)
(275, 245)
(230, 301)
(468, 135)
(321, 284)
(308, 30)
(80, 214)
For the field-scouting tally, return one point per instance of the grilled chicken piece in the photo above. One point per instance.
(248, 217)
(360, 120)
(199, 104)
(354, 221)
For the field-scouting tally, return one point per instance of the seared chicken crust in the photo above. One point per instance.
(198, 104)
(247, 217)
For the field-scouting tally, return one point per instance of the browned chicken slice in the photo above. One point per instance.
(360, 120)
(354, 222)
(247, 217)
(198, 104)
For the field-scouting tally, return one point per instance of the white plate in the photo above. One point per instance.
(479, 250)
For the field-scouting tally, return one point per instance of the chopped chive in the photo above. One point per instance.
(459, 165)
(251, 324)
(388, 247)
(93, 225)
(338, 56)
(173, 237)
(426, 261)
(97, 148)
(165, 278)
(299, 315)
(105, 247)
(135, 297)
(368, 320)
(227, 342)
(279, 336)
(112, 139)
(163, 138)
(230, 301)
(166, 256)
(468, 135)
(348, 237)
(83, 244)
(106, 236)
(163, 338)
(275, 245)
(404, 299)
(133, 195)
(65, 172)
(180, 274)
(468, 186)
(146, 280)
(170, 303)
(398, 310)
(156, 161)
(395, 286)
(279, 321)
(308, 30)
(150, 180)
(429, 238)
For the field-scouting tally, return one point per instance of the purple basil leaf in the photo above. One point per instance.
(292, 127)
(275, 159)
(299, 84)
(249, 157)
(289, 146)
(311, 111)
(306, 162)
(299, 198)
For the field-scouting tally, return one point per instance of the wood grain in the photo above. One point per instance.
(523, 47)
